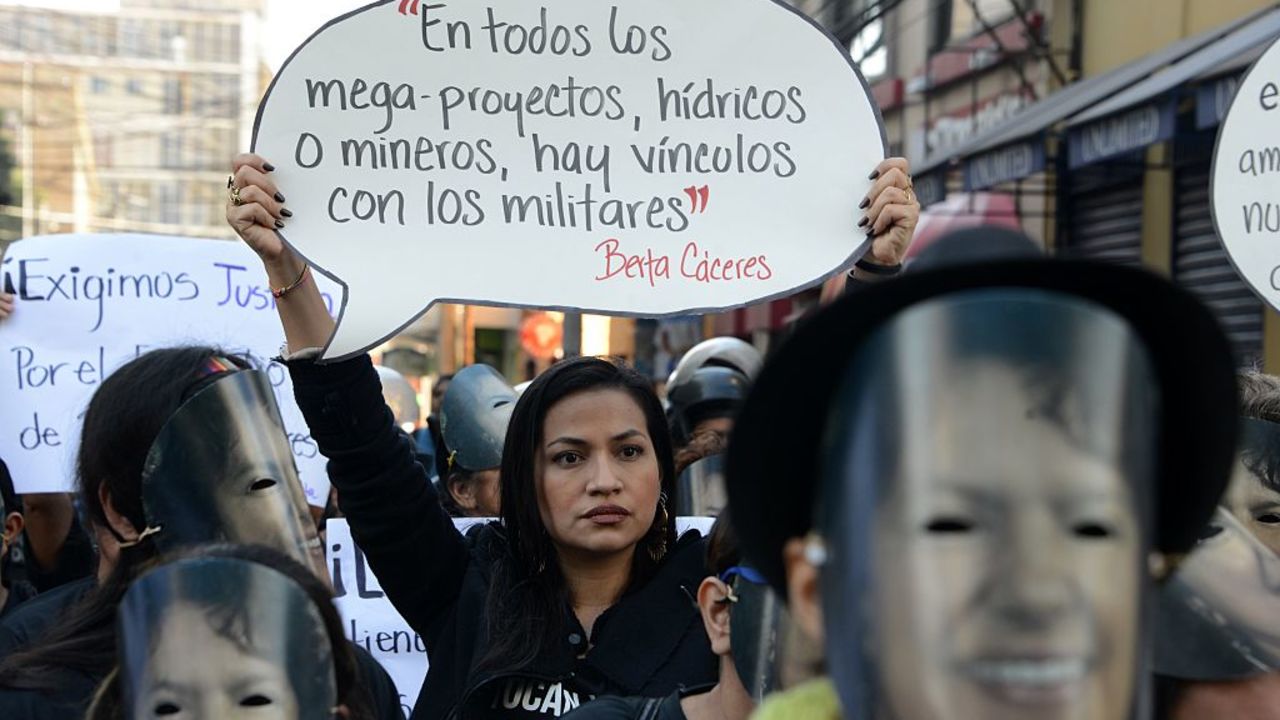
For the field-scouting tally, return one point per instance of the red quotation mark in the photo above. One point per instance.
(698, 197)
(412, 7)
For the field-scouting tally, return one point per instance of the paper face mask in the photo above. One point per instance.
(216, 638)
(1216, 617)
(982, 509)
(221, 470)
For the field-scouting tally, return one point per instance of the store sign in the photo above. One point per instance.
(1119, 134)
(951, 131)
(630, 158)
(1213, 99)
(931, 188)
(1006, 164)
(1245, 190)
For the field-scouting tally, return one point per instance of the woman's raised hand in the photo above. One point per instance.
(890, 212)
(255, 208)
(256, 211)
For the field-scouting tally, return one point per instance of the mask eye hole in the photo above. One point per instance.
(1268, 518)
(167, 708)
(949, 526)
(1092, 530)
(262, 484)
(255, 701)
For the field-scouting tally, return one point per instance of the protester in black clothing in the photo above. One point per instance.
(583, 588)
(12, 592)
(122, 451)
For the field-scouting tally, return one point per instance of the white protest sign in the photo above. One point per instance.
(647, 157)
(1245, 188)
(373, 623)
(87, 304)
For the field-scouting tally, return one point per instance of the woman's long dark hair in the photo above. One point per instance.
(122, 421)
(107, 704)
(527, 598)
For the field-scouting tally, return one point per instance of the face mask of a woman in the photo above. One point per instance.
(989, 494)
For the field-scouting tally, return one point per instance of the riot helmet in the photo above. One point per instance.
(474, 416)
(400, 397)
(727, 352)
(709, 392)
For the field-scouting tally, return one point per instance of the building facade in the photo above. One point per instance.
(125, 120)
(1089, 124)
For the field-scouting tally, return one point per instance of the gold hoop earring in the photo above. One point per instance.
(658, 549)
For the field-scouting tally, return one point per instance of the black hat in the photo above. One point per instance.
(777, 435)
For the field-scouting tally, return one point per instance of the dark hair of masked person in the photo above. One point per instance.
(154, 445)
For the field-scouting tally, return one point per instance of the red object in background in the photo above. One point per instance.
(541, 335)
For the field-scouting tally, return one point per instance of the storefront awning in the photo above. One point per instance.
(1015, 149)
(1145, 113)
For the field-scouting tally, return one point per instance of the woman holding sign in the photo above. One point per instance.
(583, 588)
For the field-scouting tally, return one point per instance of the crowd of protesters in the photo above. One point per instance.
(991, 485)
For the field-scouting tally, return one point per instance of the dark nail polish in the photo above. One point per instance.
(874, 174)
(286, 212)
(866, 203)
(279, 197)
(863, 222)
(279, 224)
(268, 167)
(871, 234)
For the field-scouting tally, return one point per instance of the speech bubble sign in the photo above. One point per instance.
(1245, 188)
(87, 304)
(636, 158)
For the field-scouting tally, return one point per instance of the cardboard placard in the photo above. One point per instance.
(87, 304)
(641, 158)
(1245, 189)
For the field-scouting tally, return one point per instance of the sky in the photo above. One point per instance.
(288, 22)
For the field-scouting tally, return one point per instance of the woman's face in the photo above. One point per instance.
(1007, 562)
(597, 474)
(1256, 506)
(196, 674)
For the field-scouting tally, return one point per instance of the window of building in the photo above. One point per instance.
(171, 155)
(169, 197)
(134, 86)
(99, 85)
(173, 96)
(939, 24)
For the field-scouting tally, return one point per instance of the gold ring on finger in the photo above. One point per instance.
(234, 195)
(911, 195)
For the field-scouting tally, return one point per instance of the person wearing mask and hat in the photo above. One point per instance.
(990, 468)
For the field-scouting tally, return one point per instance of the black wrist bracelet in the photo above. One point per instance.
(871, 268)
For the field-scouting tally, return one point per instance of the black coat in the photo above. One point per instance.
(651, 642)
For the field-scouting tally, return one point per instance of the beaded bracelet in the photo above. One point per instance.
(277, 294)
